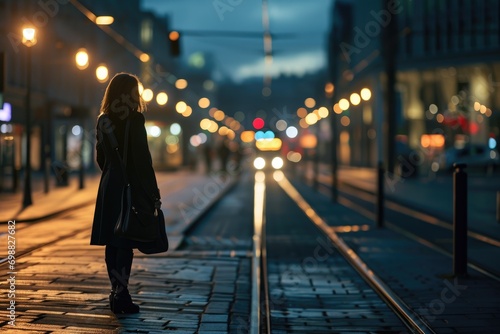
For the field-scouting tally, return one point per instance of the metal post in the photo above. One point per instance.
(27, 201)
(46, 152)
(380, 194)
(498, 206)
(81, 173)
(335, 179)
(46, 168)
(459, 220)
(63, 174)
(316, 162)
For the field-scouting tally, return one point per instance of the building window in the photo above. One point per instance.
(146, 32)
(492, 23)
(461, 24)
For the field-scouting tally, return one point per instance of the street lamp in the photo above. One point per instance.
(29, 40)
(104, 20)
(82, 62)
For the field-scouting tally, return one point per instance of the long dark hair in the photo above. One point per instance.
(122, 97)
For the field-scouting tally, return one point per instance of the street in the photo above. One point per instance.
(205, 283)
(326, 166)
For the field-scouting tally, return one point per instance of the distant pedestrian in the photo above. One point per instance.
(207, 154)
(224, 152)
(121, 104)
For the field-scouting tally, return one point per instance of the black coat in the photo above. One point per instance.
(139, 170)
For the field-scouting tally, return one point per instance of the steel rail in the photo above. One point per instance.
(370, 215)
(258, 219)
(411, 319)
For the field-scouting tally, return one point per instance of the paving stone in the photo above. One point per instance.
(213, 326)
(215, 318)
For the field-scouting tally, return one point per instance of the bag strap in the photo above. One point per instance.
(114, 144)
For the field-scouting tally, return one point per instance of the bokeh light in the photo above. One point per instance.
(162, 98)
(344, 104)
(181, 84)
(147, 95)
(281, 125)
(310, 102)
(258, 123)
(204, 102)
(181, 107)
(175, 129)
(292, 132)
(366, 94)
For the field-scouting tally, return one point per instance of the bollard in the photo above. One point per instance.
(498, 206)
(380, 194)
(459, 220)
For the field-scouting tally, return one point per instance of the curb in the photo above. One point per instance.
(188, 227)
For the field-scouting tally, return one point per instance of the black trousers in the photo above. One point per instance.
(119, 264)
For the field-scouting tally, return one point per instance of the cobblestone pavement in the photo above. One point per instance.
(63, 287)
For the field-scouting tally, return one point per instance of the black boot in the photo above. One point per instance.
(112, 296)
(122, 303)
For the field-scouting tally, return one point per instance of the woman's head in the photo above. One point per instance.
(122, 96)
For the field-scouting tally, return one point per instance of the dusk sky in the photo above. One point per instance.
(305, 23)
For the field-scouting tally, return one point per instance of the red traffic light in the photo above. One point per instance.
(258, 123)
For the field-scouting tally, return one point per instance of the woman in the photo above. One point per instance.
(121, 104)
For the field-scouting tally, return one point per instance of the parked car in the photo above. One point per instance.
(476, 156)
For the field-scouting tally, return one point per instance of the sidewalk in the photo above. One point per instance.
(58, 199)
(185, 196)
(62, 287)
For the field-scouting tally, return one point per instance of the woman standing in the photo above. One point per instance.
(121, 104)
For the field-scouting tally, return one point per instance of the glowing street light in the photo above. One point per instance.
(104, 20)
(82, 59)
(102, 73)
(29, 37)
(144, 57)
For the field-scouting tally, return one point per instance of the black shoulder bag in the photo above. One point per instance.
(136, 223)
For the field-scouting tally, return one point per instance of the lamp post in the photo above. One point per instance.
(82, 62)
(29, 40)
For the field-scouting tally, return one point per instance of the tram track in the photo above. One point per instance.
(409, 317)
(425, 228)
(261, 309)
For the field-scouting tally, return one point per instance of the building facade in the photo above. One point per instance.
(447, 77)
(65, 100)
